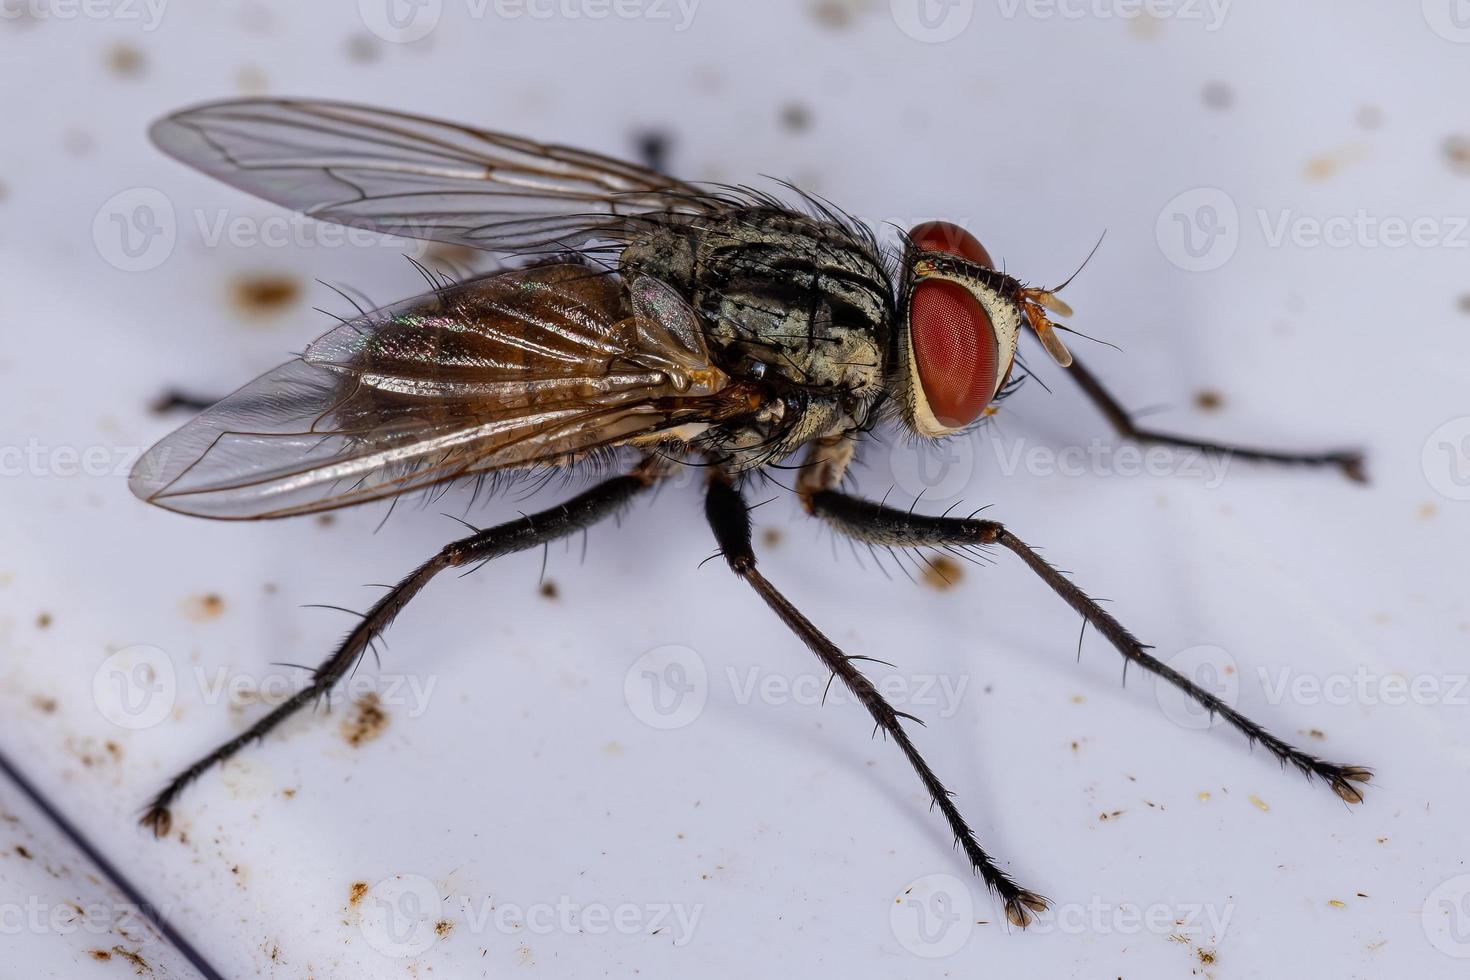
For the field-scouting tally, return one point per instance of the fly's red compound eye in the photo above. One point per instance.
(944, 236)
(955, 352)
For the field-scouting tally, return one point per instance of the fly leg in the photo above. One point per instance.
(1350, 463)
(582, 511)
(887, 527)
(729, 518)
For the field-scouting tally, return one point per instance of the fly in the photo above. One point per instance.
(655, 324)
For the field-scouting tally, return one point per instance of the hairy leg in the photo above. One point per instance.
(1350, 463)
(581, 511)
(887, 527)
(729, 518)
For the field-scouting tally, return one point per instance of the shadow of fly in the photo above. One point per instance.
(654, 324)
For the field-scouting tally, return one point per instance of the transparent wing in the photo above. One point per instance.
(420, 178)
(514, 370)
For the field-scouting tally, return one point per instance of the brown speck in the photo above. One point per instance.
(835, 14)
(1078, 698)
(1457, 153)
(366, 721)
(942, 573)
(549, 589)
(1208, 400)
(443, 928)
(126, 61)
(1328, 164)
(42, 703)
(101, 955)
(203, 608)
(264, 293)
(1320, 168)
(326, 520)
(771, 537)
(796, 117)
(43, 621)
(20, 849)
(1316, 733)
(1383, 840)
(140, 965)
(363, 49)
(251, 80)
(1464, 299)
(1110, 816)
(288, 792)
(1218, 95)
(1426, 510)
(1146, 26)
(1206, 956)
(357, 890)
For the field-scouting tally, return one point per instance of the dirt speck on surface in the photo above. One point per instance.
(204, 608)
(251, 80)
(1206, 956)
(126, 61)
(1324, 166)
(1218, 95)
(942, 573)
(1208, 400)
(356, 891)
(1457, 153)
(653, 148)
(43, 621)
(100, 955)
(326, 520)
(363, 49)
(796, 118)
(443, 928)
(772, 536)
(838, 14)
(140, 966)
(549, 589)
(1260, 804)
(263, 294)
(20, 849)
(1146, 26)
(365, 722)
(44, 704)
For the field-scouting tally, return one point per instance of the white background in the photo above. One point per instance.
(526, 780)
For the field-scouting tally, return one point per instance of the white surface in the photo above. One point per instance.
(524, 781)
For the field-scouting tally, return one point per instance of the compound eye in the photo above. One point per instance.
(955, 355)
(950, 238)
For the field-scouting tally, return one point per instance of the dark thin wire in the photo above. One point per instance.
(118, 879)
